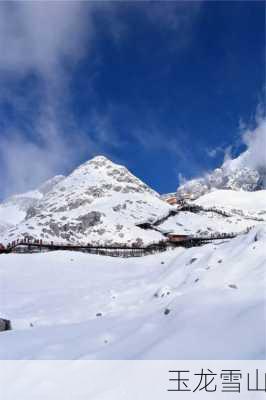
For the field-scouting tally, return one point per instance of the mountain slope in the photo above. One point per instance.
(14, 209)
(237, 174)
(195, 303)
(220, 211)
(99, 202)
(253, 203)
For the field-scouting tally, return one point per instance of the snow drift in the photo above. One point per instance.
(196, 303)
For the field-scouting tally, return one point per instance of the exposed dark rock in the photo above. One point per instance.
(138, 243)
(90, 219)
(32, 211)
(233, 286)
(5, 325)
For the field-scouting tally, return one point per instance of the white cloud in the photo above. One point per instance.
(214, 152)
(181, 179)
(25, 163)
(37, 35)
(46, 39)
(255, 140)
(254, 156)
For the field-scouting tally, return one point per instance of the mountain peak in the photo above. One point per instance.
(100, 158)
(99, 202)
(96, 163)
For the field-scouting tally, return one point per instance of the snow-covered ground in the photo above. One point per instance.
(200, 303)
(244, 210)
(252, 202)
(197, 303)
(205, 223)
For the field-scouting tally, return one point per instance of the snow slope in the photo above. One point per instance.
(250, 202)
(243, 210)
(14, 209)
(206, 223)
(196, 303)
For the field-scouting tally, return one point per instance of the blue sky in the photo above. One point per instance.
(163, 87)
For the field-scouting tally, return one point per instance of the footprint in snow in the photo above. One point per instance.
(162, 292)
(192, 261)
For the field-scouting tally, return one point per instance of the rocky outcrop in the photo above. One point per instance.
(5, 325)
(222, 178)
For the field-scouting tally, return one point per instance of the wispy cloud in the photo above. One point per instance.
(224, 151)
(254, 154)
(252, 135)
(36, 36)
(176, 16)
(255, 140)
(44, 41)
(40, 40)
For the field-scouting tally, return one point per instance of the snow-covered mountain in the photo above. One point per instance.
(236, 174)
(99, 202)
(183, 303)
(220, 211)
(14, 209)
(236, 202)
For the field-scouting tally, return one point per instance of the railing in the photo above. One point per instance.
(27, 246)
(32, 246)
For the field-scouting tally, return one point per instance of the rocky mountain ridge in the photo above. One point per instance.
(99, 202)
(103, 203)
(234, 174)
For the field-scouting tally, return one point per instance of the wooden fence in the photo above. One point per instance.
(35, 246)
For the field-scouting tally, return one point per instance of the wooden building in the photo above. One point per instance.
(173, 237)
(171, 200)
